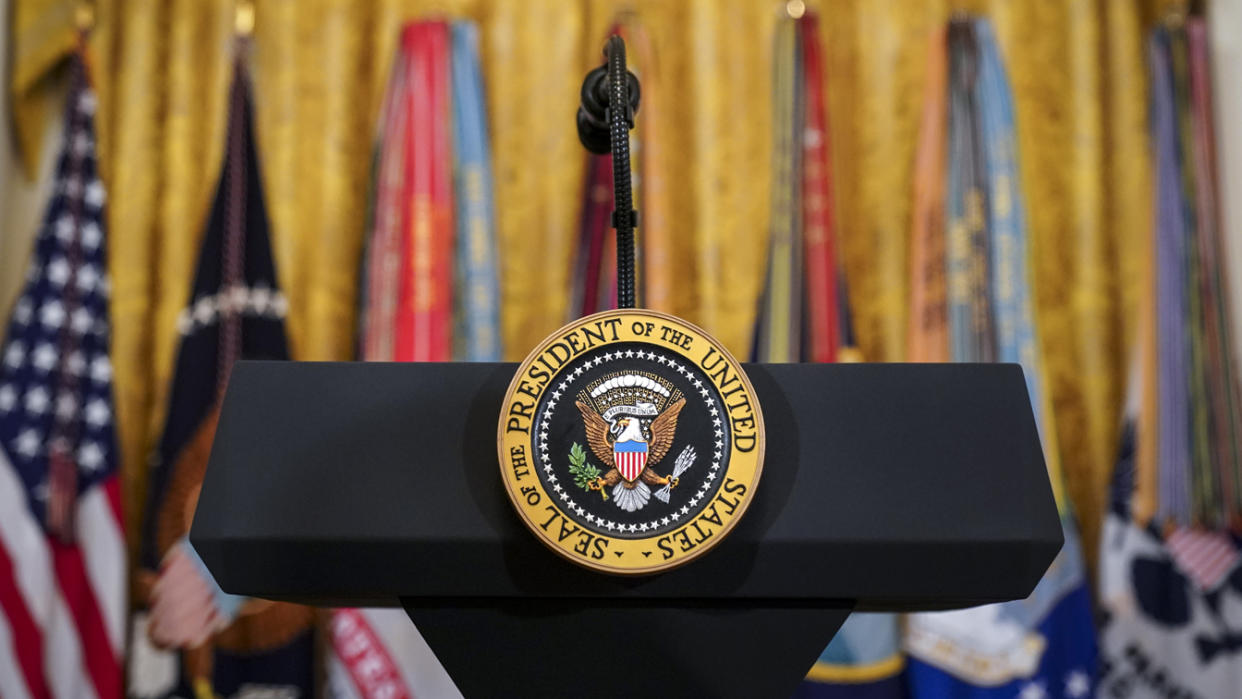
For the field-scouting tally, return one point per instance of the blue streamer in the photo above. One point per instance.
(477, 316)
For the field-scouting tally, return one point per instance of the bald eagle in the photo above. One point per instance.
(631, 495)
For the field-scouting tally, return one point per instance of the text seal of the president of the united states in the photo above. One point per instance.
(630, 442)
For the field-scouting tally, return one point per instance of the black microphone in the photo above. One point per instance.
(605, 118)
(593, 110)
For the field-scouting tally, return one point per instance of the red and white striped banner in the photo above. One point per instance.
(365, 657)
(1207, 557)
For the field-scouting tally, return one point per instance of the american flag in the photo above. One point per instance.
(62, 549)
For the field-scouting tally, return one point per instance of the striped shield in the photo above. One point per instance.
(631, 458)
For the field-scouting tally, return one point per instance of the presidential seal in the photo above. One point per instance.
(630, 442)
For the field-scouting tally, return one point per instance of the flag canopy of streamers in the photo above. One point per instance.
(430, 291)
(1170, 580)
(973, 301)
(804, 312)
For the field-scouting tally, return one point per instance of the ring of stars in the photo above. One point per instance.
(553, 482)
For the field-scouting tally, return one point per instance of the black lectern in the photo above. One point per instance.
(885, 487)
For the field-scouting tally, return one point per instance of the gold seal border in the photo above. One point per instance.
(516, 498)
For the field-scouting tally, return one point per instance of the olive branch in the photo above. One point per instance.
(584, 473)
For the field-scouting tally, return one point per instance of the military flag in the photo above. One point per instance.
(235, 311)
(1170, 576)
(804, 314)
(1043, 646)
(863, 661)
(62, 549)
(595, 259)
(1223, 402)
(378, 653)
(1173, 220)
(778, 331)
(966, 229)
(477, 297)
(594, 273)
(928, 333)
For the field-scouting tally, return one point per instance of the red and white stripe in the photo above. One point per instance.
(378, 654)
(62, 606)
(365, 657)
(1206, 556)
(630, 463)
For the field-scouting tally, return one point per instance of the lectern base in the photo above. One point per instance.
(553, 648)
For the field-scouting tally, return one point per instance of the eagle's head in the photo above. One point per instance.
(627, 429)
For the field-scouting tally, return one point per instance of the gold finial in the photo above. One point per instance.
(795, 8)
(84, 15)
(243, 20)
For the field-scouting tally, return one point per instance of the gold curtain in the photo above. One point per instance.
(320, 66)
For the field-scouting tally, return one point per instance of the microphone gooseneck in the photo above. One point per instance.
(603, 129)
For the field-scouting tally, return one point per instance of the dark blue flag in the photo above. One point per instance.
(235, 311)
